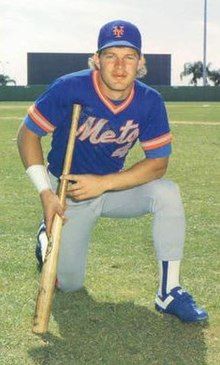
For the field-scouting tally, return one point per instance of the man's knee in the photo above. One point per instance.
(167, 194)
(167, 189)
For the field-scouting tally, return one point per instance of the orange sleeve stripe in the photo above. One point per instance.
(157, 142)
(40, 120)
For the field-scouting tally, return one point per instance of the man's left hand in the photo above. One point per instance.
(86, 186)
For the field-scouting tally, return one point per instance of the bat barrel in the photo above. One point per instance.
(48, 279)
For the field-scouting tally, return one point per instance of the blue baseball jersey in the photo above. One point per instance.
(107, 129)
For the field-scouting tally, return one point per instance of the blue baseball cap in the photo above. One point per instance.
(119, 33)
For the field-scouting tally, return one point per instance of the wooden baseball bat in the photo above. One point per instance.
(49, 270)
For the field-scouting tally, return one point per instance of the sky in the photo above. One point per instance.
(167, 26)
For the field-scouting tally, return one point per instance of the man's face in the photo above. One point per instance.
(118, 68)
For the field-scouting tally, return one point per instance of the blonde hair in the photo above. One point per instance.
(140, 73)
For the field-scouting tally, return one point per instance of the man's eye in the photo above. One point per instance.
(131, 57)
(109, 56)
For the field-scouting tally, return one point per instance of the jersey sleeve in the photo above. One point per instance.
(48, 111)
(155, 136)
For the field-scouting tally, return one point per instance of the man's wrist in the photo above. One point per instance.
(39, 177)
(45, 192)
(109, 182)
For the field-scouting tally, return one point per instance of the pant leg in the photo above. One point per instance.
(161, 198)
(75, 241)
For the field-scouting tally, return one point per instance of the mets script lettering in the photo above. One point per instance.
(92, 129)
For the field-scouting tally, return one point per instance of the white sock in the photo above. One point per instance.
(169, 272)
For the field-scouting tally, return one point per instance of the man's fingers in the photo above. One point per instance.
(70, 177)
(74, 187)
(77, 193)
(81, 197)
(48, 222)
(60, 211)
(65, 219)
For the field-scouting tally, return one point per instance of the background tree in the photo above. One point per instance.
(195, 69)
(214, 76)
(5, 80)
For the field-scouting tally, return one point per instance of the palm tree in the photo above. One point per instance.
(214, 76)
(5, 80)
(195, 69)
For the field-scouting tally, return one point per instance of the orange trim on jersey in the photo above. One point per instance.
(157, 142)
(40, 120)
(115, 109)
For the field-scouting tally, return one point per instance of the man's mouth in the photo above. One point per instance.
(119, 76)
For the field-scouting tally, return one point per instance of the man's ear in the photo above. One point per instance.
(96, 60)
(142, 62)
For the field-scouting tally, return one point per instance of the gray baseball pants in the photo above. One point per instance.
(160, 197)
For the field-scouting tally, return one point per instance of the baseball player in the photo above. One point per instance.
(117, 110)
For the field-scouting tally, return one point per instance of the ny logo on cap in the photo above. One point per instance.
(118, 31)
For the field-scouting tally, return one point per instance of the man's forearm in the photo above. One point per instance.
(29, 147)
(140, 173)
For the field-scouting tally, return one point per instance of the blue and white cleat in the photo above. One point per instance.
(42, 242)
(182, 305)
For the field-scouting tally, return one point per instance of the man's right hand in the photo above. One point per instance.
(51, 207)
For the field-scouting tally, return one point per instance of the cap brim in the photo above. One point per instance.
(119, 44)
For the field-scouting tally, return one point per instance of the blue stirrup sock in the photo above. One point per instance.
(169, 272)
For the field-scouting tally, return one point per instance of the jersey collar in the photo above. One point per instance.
(115, 109)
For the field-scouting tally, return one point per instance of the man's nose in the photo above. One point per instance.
(119, 62)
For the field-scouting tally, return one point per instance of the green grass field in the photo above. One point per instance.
(113, 321)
